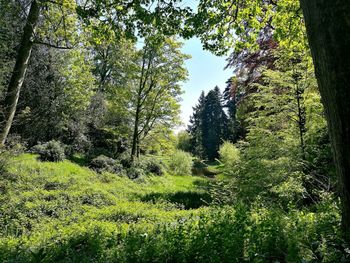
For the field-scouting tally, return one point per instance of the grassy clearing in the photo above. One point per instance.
(62, 212)
(42, 200)
(37, 194)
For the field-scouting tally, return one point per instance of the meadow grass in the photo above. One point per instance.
(63, 212)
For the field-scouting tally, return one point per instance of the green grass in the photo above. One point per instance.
(42, 199)
(38, 193)
(63, 212)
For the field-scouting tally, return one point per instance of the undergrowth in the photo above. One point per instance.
(62, 212)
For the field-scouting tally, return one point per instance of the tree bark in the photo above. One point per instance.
(19, 71)
(135, 138)
(328, 29)
(301, 118)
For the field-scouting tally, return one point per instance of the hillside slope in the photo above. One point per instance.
(62, 212)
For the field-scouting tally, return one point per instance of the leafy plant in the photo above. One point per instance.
(52, 151)
(103, 163)
(135, 172)
(152, 165)
(180, 163)
(229, 155)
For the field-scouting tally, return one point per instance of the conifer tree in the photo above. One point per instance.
(195, 127)
(230, 103)
(214, 127)
(209, 125)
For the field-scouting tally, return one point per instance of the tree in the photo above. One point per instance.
(115, 69)
(209, 125)
(10, 22)
(19, 71)
(284, 158)
(247, 68)
(55, 97)
(29, 37)
(328, 31)
(195, 128)
(56, 24)
(155, 99)
(328, 34)
(231, 103)
(214, 124)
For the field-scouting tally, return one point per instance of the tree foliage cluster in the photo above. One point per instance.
(297, 27)
(86, 83)
(283, 155)
(209, 125)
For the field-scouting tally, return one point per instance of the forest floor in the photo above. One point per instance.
(44, 199)
(65, 212)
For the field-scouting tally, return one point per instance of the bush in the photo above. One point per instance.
(135, 172)
(52, 151)
(125, 159)
(152, 165)
(103, 163)
(15, 144)
(236, 234)
(143, 166)
(180, 163)
(184, 141)
(229, 154)
(155, 167)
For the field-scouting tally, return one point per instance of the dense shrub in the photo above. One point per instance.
(182, 199)
(135, 172)
(142, 166)
(200, 168)
(184, 141)
(229, 155)
(125, 159)
(52, 151)
(15, 144)
(152, 165)
(97, 151)
(61, 212)
(180, 163)
(105, 164)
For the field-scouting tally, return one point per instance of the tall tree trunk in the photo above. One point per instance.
(328, 29)
(19, 71)
(301, 118)
(135, 137)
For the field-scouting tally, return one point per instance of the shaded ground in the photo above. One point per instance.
(185, 200)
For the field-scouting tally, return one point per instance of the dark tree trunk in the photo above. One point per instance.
(19, 71)
(328, 28)
(135, 137)
(301, 119)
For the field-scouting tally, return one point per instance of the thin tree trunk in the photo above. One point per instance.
(301, 119)
(143, 79)
(19, 71)
(328, 28)
(136, 132)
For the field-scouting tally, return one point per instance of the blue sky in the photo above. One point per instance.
(205, 72)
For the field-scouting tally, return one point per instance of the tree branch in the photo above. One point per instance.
(51, 45)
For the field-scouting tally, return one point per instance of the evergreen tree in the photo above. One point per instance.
(209, 125)
(230, 103)
(214, 124)
(195, 127)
